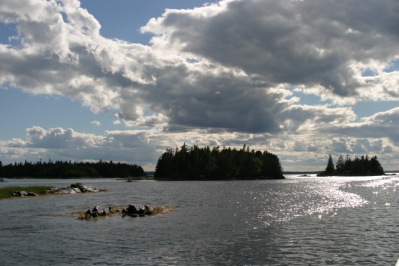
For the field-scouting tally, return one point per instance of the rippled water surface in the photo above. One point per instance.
(297, 221)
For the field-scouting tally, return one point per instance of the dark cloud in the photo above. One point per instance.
(202, 100)
(298, 42)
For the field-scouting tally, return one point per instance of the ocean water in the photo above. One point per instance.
(297, 221)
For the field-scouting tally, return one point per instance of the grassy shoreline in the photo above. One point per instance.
(6, 192)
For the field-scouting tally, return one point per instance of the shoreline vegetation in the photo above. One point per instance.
(64, 169)
(8, 192)
(363, 166)
(217, 164)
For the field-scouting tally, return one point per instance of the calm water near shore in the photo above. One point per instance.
(297, 221)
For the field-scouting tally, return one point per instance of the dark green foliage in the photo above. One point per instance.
(217, 164)
(358, 167)
(70, 169)
(330, 169)
(340, 167)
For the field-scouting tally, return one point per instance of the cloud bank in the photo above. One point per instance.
(223, 74)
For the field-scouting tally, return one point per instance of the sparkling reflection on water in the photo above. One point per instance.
(296, 221)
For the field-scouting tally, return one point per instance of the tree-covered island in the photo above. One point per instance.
(363, 166)
(206, 163)
(63, 169)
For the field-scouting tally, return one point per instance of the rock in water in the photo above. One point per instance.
(131, 209)
(148, 210)
(77, 190)
(74, 188)
(97, 211)
(20, 193)
(86, 188)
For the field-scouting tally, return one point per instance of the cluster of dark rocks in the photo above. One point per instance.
(131, 211)
(134, 211)
(1, 180)
(24, 194)
(98, 211)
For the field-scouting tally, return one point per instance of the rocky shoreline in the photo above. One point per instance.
(72, 189)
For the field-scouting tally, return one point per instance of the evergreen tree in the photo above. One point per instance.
(330, 169)
(340, 165)
(375, 167)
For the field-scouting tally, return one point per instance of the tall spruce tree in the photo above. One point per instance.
(340, 165)
(330, 169)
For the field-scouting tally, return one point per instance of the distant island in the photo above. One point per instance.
(61, 169)
(363, 166)
(217, 164)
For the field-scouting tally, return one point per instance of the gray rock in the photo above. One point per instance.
(67, 190)
(74, 188)
(90, 189)
(77, 190)
(98, 211)
(20, 193)
(84, 188)
(76, 185)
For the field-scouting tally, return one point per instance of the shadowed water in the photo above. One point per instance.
(334, 220)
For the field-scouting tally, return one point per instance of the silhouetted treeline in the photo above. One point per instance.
(217, 164)
(362, 166)
(61, 169)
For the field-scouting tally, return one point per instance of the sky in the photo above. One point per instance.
(125, 80)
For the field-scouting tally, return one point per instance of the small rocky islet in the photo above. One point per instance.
(72, 189)
(130, 210)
